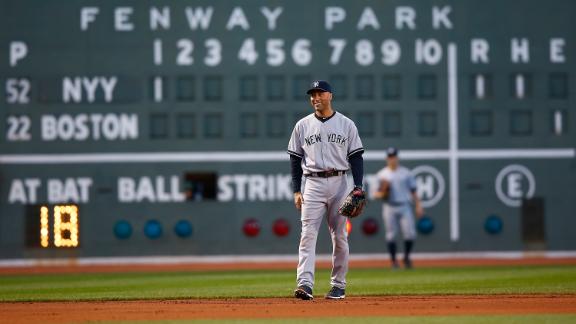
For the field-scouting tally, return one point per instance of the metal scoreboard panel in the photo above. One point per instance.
(108, 106)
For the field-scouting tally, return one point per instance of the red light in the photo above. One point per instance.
(370, 226)
(251, 227)
(348, 226)
(281, 227)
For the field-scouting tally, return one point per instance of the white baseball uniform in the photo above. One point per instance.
(398, 209)
(324, 144)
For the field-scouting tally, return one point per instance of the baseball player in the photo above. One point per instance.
(398, 189)
(323, 147)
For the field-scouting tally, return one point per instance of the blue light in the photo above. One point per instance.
(425, 225)
(493, 225)
(122, 229)
(183, 228)
(153, 229)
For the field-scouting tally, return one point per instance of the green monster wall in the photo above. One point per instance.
(141, 114)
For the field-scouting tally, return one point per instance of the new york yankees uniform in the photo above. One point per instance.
(324, 145)
(398, 209)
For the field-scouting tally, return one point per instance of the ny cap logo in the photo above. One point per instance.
(321, 85)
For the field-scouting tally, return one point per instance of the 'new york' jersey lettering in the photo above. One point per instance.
(324, 145)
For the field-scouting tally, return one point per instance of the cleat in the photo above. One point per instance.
(336, 293)
(407, 264)
(395, 265)
(304, 293)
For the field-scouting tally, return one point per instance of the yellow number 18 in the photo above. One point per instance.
(65, 226)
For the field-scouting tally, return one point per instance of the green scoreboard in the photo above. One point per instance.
(143, 128)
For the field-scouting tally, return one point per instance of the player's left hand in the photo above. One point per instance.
(419, 211)
(353, 204)
(358, 191)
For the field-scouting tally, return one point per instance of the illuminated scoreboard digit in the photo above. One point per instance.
(54, 226)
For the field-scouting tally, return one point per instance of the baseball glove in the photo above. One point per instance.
(353, 204)
(385, 191)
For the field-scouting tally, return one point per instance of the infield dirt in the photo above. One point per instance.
(288, 308)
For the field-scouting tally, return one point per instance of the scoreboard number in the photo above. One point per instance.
(18, 128)
(17, 91)
(214, 52)
(63, 220)
(248, 51)
(185, 47)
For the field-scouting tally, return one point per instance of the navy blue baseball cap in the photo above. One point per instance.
(391, 151)
(319, 85)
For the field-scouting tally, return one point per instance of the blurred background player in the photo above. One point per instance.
(398, 190)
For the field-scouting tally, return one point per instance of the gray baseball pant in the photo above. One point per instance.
(399, 216)
(322, 197)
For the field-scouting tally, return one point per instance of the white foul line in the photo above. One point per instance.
(453, 143)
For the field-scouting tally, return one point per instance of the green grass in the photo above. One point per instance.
(280, 283)
(454, 319)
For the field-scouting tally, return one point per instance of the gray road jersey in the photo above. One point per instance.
(402, 184)
(324, 145)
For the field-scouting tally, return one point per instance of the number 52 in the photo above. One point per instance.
(17, 91)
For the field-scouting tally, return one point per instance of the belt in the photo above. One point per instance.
(396, 203)
(326, 174)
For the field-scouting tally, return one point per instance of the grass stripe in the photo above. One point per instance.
(280, 283)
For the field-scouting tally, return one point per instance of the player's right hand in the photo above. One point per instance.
(298, 200)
